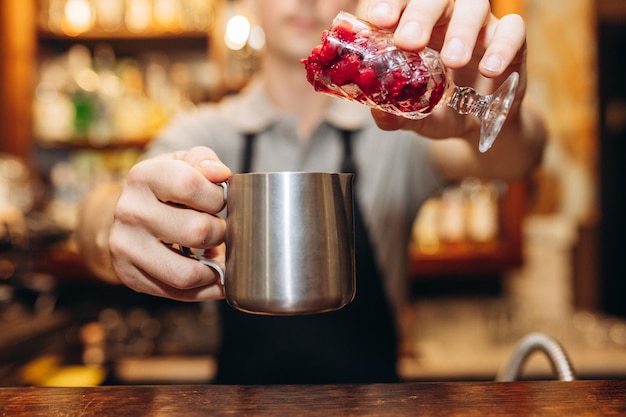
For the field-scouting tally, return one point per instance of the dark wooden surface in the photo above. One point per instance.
(541, 398)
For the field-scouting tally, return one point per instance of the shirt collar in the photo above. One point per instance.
(252, 111)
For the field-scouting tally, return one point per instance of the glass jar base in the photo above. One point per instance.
(496, 112)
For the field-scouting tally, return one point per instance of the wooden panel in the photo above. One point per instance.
(544, 398)
(17, 57)
(612, 10)
(502, 7)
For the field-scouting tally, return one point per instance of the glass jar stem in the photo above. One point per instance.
(465, 100)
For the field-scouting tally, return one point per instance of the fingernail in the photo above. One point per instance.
(410, 31)
(380, 10)
(454, 49)
(493, 63)
(210, 163)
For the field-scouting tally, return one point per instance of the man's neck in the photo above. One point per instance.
(291, 93)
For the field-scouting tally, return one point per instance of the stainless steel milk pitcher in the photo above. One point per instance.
(289, 242)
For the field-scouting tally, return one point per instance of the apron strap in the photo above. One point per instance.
(356, 344)
(248, 151)
(348, 164)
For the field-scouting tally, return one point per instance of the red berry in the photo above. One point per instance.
(345, 32)
(436, 95)
(346, 70)
(368, 81)
(333, 64)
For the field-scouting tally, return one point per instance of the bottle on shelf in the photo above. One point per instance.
(77, 17)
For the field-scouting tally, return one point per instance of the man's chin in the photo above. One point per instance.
(298, 50)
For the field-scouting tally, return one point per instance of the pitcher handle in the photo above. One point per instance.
(219, 269)
(211, 263)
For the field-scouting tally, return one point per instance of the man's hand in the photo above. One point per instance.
(480, 50)
(170, 199)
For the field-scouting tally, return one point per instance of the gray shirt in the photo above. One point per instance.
(396, 172)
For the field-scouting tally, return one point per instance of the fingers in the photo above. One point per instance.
(145, 264)
(174, 276)
(172, 224)
(413, 20)
(465, 26)
(182, 180)
(418, 21)
(206, 161)
(508, 39)
(461, 29)
(385, 13)
(174, 202)
(171, 276)
(388, 121)
(169, 199)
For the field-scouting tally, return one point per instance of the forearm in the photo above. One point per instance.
(516, 152)
(521, 146)
(92, 233)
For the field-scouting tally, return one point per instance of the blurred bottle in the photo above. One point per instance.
(452, 215)
(82, 89)
(53, 111)
(168, 15)
(425, 227)
(78, 17)
(51, 17)
(482, 210)
(197, 15)
(110, 14)
(108, 91)
(138, 15)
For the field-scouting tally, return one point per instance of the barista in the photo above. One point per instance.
(279, 123)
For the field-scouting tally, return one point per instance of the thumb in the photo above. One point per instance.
(206, 161)
(388, 121)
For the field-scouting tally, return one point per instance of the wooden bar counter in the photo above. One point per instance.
(526, 398)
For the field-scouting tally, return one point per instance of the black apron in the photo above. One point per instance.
(356, 344)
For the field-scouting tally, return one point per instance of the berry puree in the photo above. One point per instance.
(360, 63)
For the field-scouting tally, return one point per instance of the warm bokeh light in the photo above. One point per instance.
(78, 17)
(257, 38)
(138, 15)
(237, 32)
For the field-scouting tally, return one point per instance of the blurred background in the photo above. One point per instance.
(84, 85)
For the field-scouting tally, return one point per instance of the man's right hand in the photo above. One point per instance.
(169, 199)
